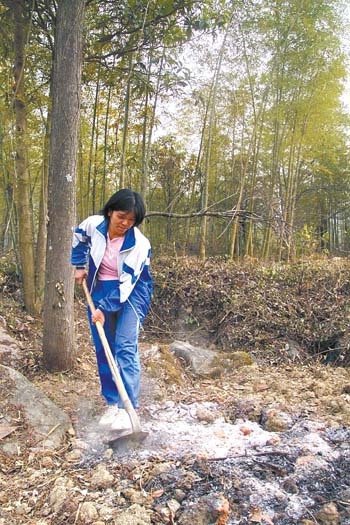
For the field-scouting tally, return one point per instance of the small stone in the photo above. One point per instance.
(10, 449)
(134, 515)
(290, 486)
(106, 512)
(212, 508)
(161, 468)
(39, 522)
(101, 477)
(260, 386)
(276, 421)
(22, 509)
(174, 506)
(328, 515)
(135, 496)
(81, 444)
(47, 462)
(205, 415)
(88, 512)
(108, 453)
(179, 495)
(57, 497)
(164, 512)
(273, 440)
(74, 456)
(239, 359)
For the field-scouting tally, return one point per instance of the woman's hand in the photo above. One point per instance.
(80, 275)
(98, 316)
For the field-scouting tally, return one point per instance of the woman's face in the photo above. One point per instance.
(120, 222)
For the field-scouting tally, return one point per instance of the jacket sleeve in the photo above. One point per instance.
(81, 245)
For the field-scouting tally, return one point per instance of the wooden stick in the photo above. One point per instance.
(135, 422)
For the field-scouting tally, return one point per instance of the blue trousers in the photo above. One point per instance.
(122, 332)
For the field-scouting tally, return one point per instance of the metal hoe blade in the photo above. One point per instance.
(125, 441)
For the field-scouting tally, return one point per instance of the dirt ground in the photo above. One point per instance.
(160, 488)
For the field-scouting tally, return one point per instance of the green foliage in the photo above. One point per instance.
(279, 133)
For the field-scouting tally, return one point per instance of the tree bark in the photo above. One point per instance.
(90, 206)
(23, 200)
(40, 262)
(122, 176)
(58, 336)
(205, 191)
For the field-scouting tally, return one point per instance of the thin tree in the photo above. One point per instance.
(40, 258)
(212, 105)
(23, 198)
(122, 176)
(92, 141)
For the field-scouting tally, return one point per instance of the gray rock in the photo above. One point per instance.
(212, 508)
(205, 415)
(48, 423)
(200, 360)
(58, 497)
(88, 512)
(101, 477)
(328, 515)
(134, 515)
(174, 506)
(10, 449)
(275, 420)
(293, 350)
(134, 496)
(9, 350)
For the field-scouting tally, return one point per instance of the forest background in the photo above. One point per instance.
(257, 138)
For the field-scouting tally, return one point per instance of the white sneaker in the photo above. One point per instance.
(121, 421)
(109, 416)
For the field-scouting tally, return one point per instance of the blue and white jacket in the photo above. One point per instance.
(135, 281)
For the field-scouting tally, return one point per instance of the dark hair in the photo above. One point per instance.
(126, 200)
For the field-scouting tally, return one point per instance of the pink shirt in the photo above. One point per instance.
(108, 269)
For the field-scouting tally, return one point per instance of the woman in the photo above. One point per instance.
(118, 277)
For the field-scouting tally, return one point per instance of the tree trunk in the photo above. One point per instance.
(40, 261)
(92, 141)
(122, 177)
(58, 337)
(23, 201)
(104, 173)
(8, 229)
(95, 171)
(205, 191)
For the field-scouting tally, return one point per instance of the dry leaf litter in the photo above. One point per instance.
(263, 440)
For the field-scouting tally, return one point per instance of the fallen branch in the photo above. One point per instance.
(252, 455)
(226, 214)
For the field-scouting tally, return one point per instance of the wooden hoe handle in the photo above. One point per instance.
(113, 366)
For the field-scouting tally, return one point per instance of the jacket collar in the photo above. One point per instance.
(103, 228)
(129, 239)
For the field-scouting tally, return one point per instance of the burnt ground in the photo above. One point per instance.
(266, 442)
